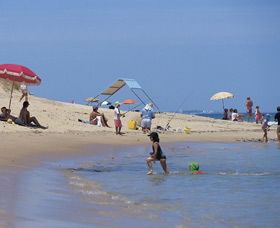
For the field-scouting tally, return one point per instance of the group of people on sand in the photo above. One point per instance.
(232, 114)
(99, 119)
(265, 125)
(24, 118)
(264, 120)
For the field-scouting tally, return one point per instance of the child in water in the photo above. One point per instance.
(156, 155)
(194, 168)
(265, 127)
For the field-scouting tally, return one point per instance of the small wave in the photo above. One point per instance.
(80, 184)
(245, 174)
(89, 192)
(92, 169)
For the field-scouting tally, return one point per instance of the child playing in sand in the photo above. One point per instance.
(265, 127)
(156, 155)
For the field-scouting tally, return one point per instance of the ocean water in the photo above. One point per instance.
(220, 115)
(239, 187)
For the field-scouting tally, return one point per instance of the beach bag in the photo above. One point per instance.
(132, 125)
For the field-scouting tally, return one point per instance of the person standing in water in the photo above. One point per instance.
(156, 155)
(265, 127)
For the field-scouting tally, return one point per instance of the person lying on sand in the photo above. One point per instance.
(3, 114)
(93, 117)
(9, 116)
(25, 119)
(6, 114)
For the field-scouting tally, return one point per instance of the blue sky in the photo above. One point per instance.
(177, 50)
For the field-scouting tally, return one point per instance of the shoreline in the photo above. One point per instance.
(17, 146)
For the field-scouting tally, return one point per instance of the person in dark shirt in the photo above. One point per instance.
(225, 117)
(277, 119)
(156, 155)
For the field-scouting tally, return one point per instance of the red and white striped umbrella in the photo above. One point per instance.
(18, 74)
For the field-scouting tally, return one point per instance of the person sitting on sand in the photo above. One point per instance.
(194, 168)
(156, 155)
(93, 117)
(9, 116)
(225, 117)
(234, 115)
(25, 119)
(230, 113)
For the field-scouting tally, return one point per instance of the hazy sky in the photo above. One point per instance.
(176, 49)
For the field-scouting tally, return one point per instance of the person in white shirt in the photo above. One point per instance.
(234, 115)
(117, 118)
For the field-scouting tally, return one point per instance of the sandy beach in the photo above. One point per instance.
(65, 132)
(23, 148)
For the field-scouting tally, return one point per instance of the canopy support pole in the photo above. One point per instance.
(151, 100)
(223, 104)
(138, 97)
(11, 94)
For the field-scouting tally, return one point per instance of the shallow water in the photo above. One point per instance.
(239, 187)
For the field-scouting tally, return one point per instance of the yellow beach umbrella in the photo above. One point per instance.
(222, 96)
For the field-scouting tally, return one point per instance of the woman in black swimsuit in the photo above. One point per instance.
(156, 155)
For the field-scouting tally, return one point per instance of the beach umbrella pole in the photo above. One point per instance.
(11, 95)
(223, 104)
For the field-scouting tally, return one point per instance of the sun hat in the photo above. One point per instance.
(117, 102)
(149, 107)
